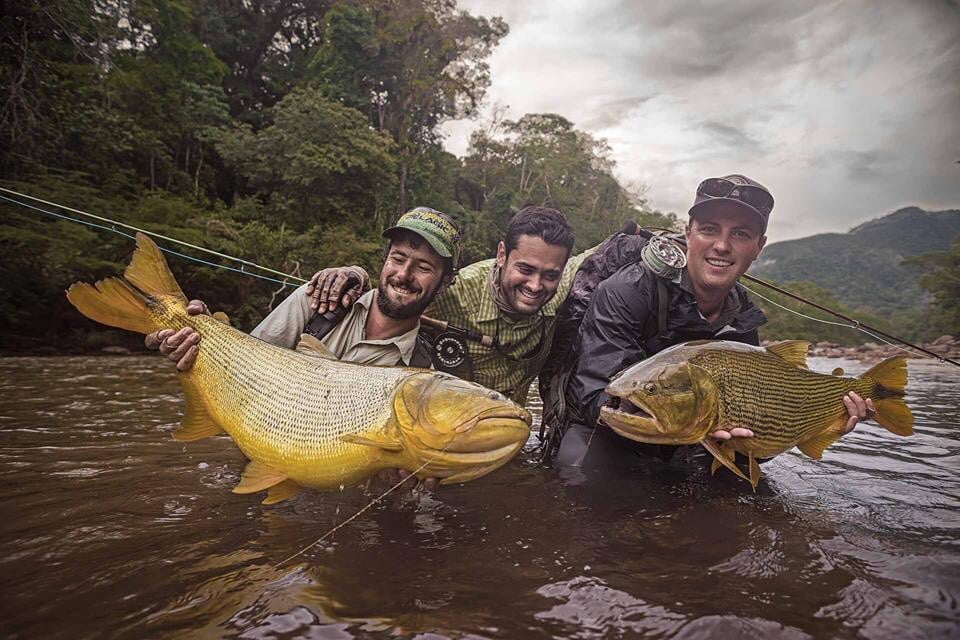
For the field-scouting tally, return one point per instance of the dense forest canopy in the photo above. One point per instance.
(287, 132)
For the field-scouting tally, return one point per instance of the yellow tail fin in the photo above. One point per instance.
(148, 271)
(116, 303)
(890, 382)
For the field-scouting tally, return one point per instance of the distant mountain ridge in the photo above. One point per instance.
(862, 267)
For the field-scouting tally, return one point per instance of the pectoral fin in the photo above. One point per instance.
(280, 492)
(257, 477)
(381, 442)
(197, 423)
(754, 472)
(728, 453)
(721, 456)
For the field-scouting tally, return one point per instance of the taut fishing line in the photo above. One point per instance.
(354, 516)
(113, 224)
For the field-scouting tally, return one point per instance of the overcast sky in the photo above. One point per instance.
(846, 110)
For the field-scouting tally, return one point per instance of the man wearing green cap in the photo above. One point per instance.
(382, 327)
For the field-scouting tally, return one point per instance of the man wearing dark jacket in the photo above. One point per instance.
(648, 306)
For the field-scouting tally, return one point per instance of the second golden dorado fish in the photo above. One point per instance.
(308, 421)
(684, 393)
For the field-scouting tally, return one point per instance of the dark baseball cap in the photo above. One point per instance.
(437, 228)
(749, 195)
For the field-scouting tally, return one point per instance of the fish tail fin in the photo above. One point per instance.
(148, 271)
(123, 303)
(112, 302)
(889, 386)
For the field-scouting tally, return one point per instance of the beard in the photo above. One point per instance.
(398, 311)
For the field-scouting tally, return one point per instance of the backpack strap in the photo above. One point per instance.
(657, 322)
(422, 356)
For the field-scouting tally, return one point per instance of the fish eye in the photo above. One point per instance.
(650, 388)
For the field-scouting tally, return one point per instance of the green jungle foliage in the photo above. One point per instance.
(941, 277)
(286, 132)
(876, 269)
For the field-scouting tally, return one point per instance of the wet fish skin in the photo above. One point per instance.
(308, 421)
(684, 393)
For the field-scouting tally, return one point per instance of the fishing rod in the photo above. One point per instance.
(856, 324)
(630, 227)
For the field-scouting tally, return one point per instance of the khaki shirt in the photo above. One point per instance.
(467, 303)
(285, 324)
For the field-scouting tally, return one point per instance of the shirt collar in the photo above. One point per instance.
(731, 304)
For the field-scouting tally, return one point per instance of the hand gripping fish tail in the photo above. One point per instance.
(889, 382)
(297, 417)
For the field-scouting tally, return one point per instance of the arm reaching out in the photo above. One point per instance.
(336, 286)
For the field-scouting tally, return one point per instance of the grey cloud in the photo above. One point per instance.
(730, 136)
(862, 166)
(701, 40)
(612, 112)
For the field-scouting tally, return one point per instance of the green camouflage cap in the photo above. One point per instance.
(437, 228)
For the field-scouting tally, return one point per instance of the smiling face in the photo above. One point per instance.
(412, 274)
(530, 273)
(722, 243)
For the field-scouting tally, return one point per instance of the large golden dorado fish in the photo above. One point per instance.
(684, 393)
(309, 421)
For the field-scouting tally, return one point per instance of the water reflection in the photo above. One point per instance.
(117, 530)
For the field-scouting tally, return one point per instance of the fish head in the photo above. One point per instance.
(459, 430)
(662, 401)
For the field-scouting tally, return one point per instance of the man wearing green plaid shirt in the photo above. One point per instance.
(513, 298)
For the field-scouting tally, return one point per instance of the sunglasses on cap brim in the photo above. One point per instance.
(756, 197)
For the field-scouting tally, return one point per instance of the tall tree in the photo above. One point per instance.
(416, 63)
(317, 162)
(941, 278)
(543, 159)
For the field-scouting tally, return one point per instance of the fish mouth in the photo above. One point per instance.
(630, 420)
(454, 467)
(491, 431)
(479, 446)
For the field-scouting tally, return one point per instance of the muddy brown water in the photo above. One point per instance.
(110, 529)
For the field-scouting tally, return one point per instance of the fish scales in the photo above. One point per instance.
(279, 418)
(783, 405)
(306, 420)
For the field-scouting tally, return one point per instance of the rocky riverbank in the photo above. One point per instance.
(946, 346)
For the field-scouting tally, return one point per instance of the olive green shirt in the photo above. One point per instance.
(524, 343)
(285, 324)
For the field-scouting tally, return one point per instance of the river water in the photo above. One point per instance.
(110, 529)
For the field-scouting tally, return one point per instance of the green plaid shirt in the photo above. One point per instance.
(525, 343)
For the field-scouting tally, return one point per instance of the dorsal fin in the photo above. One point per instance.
(148, 271)
(792, 351)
